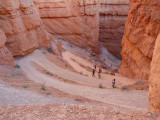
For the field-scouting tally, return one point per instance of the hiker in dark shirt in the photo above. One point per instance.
(99, 72)
(113, 83)
(95, 67)
(93, 72)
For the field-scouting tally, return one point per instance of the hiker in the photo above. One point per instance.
(113, 83)
(99, 72)
(93, 72)
(95, 67)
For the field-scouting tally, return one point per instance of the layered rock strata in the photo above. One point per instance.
(22, 26)
(113, 14)
(6, 57)
(81, 21)
(141, 30)
(76, 21)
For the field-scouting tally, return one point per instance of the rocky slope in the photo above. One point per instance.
(20, 22)
(113, 15)
(70, 112)
(76, 21)
(141, 30)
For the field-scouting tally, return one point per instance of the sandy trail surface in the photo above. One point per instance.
(106, 79)
(137, 100)
(69, 57)
(12, 96)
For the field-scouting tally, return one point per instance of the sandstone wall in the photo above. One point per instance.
(22, 26)
(6, 57)
(141, 30)
(154, 79)
(76, 21)
(113, 14)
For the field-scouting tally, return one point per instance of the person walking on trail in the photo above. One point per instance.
(95, 67)
(99, 72)
(113, 83)
(93, 72)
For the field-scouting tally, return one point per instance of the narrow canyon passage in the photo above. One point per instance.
(112, 17)
(121, 37)
(87, 23)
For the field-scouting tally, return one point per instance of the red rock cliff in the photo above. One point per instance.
(141, 30)
(113, 14)
(20, 22)
(154, 79)
(76, 21)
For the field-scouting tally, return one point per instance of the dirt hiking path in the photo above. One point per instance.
(106, 79)
(130, 99)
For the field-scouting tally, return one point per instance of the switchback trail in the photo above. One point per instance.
(137, 100)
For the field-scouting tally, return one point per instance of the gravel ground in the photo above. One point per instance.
(69, 112)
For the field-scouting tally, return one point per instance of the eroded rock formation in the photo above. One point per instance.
(76, 21)
(113, 14)
(154, 79)
(6, 57)
(141, 30)
(22, 26)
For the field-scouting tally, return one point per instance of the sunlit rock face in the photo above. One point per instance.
(113, 14)
(76, 21)
(6, 57)
(154, 79)
(141, 30)
(20, 21)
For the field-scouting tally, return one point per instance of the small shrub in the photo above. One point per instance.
(99, 76)
(105, 72)
(49, 73)
(89, 67)
(49, 50)
(81, 73)
(25, 86)
(44, 52)
(17, 74)
(66, 65)
(39, 48)
(86, 75)
(43, 87)
(63, 49)
(100, 86)
(112, 74)
(124, 88)
(17, 66)
(48, 93)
